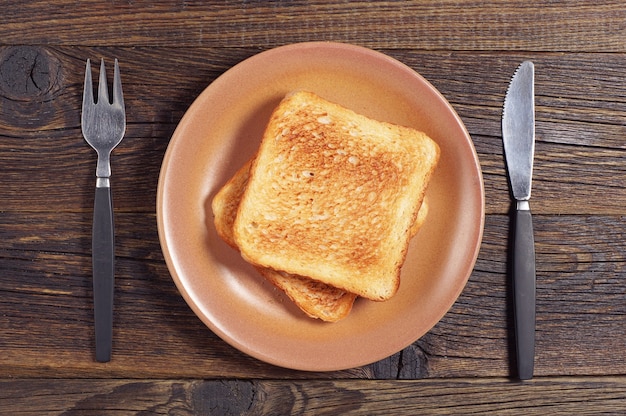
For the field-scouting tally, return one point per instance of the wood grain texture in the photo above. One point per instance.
(563, 396)
(439, 25)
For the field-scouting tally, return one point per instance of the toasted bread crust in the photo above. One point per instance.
(316, 299)
(226, 203)
(332, 195)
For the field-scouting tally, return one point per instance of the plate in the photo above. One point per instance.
(222, 129)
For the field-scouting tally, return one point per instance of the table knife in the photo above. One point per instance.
(518, 136)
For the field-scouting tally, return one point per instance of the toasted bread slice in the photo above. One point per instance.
(332, 195)
(316, 299)
(226, 202)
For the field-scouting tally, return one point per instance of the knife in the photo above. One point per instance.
(518, 137)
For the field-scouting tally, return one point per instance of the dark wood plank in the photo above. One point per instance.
(562, 396)
(443, 25)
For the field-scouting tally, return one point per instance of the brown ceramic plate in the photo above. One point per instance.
(222, 129)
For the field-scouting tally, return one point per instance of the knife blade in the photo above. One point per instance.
(518, 137)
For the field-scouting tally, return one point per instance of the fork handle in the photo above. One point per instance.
(103, 258)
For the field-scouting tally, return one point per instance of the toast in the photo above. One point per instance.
(332, 195)
(316, 299)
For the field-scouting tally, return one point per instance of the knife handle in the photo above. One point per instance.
(524, 290)
(103, 258)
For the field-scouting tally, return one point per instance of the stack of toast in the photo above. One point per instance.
(326, 208)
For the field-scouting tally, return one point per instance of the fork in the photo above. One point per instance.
(103, 124)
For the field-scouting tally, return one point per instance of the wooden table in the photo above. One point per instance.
(165, 361)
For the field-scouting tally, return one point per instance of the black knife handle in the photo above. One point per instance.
(524, 292)
(103, 258)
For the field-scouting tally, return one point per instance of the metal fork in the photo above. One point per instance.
(103, 125)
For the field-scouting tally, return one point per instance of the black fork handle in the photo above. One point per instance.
(103, 258)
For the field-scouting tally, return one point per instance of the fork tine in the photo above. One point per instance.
(118, 96)
(103, 89)
(88, 89)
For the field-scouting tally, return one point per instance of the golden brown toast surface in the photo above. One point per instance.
(316, 299)
(332, 195)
